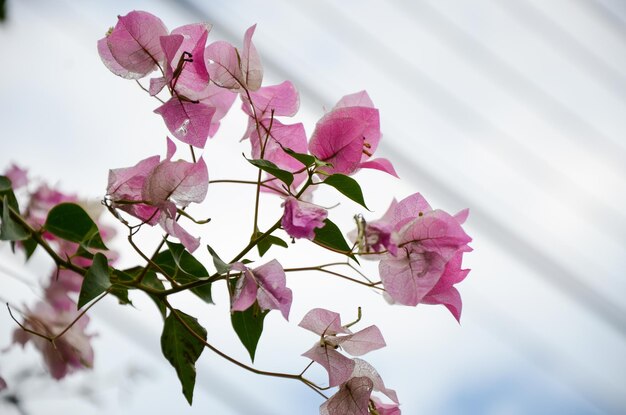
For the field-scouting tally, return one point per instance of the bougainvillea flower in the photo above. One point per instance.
(126, 184)
(194, 77)
(424, 252)
(348, 135)
(223, 65)
(353, 397)
(251, 66)
(188, 121)
(385, 408)
(275, 136)
(221, 99)
(266, 284)
(282, 100)
(184, 67)
(233, 69)
(444, 291)
(69, 352)
(160, 187)
(301, 218)
(132, 49)
(327, 325)
(376, 236)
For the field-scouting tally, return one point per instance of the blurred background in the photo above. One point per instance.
(515, 109)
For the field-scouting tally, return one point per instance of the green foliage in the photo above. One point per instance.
(269, 167)
(96, 280)
(184, 268)
(220, 266)
(182, 348)
(248, 325)
(266, 243)
(10, 230)
(347, 186)
(151, 280)
(70, 222)
(306, 159)
(330, 236)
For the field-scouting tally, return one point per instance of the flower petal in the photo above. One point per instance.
(251, 66)
(134, 43)
(337, 365)
(190, 122)
(351, 399)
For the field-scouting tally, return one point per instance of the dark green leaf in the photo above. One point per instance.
(347, 186)
(220, 265)
(248, 325)
(151, 280)
(305, 159)
(10, 230)
(182, 348)
(331, 237)
(269, 167)
(30, 245)
(70, 222)
(121, 293)
(6, 190)
(267, 242)
(96, 280)
(5, 184)
(184, 268)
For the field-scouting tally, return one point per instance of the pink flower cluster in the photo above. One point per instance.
(153, 190)
(58, 310)
(355, 377)
(420, 252)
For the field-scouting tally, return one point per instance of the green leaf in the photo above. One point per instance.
(7, 190)
(248, 325)
(30, 245)
(269, 167)
(331, 237)
(121, 293)
(70, 222)
(182, 349)
(151, 280)
(266, 243)
(128, 275)
(96, 280)
(306, 159)
(220, 266)
(184, 268)
(10, 230)
(347, 186)
(5, 184)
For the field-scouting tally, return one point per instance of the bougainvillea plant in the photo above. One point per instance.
(419, 249)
